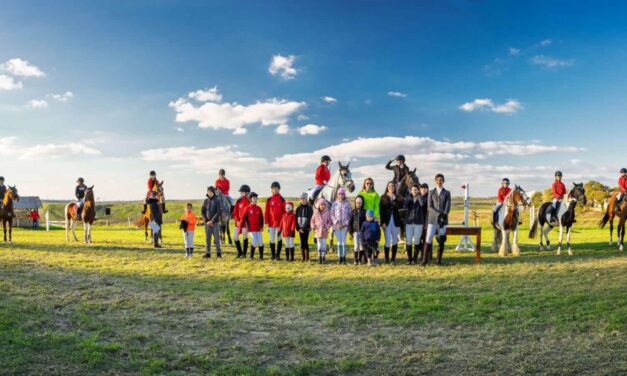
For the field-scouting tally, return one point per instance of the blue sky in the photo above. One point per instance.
(476, 90)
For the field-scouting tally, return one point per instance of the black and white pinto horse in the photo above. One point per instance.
(507, 220)
(565, 218)
(225, 217)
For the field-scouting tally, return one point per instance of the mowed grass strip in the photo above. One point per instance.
(120, 307)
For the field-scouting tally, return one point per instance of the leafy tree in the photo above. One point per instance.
(536, 199)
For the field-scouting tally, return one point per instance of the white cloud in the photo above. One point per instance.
(240, 131)
(235, 116)
(207, 95)
(311, 129)
(486, 104)
(62, 97)
(302, 117)
(37, 103)
(551, 62)
(282, 129)
(545, 42)
(8, 83)
(283, 66)
(513, 51)
(9, 147)
(19, 67)
(179, 129)
(328, 99)
(397, 94)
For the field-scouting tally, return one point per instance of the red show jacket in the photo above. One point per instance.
(503, 192)
(238, 211)
(559, 190)
(323, 175)
(253, 218)
(288, 224)
(622, 184)
(275, 208)
(223, 185)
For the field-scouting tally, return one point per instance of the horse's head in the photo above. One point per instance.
(520, 196)
(89, 193)
(578, 193)
(12, 194)
(412, 179)
(346, 179)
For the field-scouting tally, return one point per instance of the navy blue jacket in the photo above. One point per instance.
(370, 232)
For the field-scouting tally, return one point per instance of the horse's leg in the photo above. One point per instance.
(4, 229)
(503, 248)
(560, 238)
(228, 232)
(74, 230)
(515, 247)
(570, 253)
(621, 235)
(611, 228)
(10, 230)
(495, 245)
(545, 232)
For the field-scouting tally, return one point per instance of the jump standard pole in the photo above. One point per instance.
(465, 243)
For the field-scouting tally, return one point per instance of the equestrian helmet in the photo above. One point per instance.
(221, 172)
(1, 178)
(211, 188)
(275, 184)
(622, 171)
(244, 188)
(252, 194)
(505, 180)
(325, 158)
(153, 173)
(558, 173)
(80, 180)
(400, 157)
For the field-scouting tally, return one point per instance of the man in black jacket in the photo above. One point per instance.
(211, 210)
(439, 203)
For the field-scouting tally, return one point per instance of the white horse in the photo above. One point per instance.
(507, 221)
(342, 178)
(565, 218)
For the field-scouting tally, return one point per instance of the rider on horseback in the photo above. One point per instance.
(400, 170)
(79, 192)
(501, 194)
(3, 190)
(153, 186)
(559, 190)
(622, 185)
(224, 185)
(323, 175)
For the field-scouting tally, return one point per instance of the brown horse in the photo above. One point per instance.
(507, 221)
(88, 215)
(403, 187)
(610, 213)
(6, 211)
(144, 219)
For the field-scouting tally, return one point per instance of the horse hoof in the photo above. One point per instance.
(570, 253)
(620, 248)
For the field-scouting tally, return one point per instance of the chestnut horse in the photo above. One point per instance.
(610, 213)
(145, 219)
(6, 211)
(507, 221)
(88, 215)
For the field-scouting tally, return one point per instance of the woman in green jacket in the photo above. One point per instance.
(370, 196)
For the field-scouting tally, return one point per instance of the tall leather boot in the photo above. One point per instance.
(252, 252)
(245, 249)
(278, 250)
(355, 256)
(440, 252)
(164, 209)
(238, 246)
(394, 250)
(306, 255)
(272, 252)
(261, 253)
(425, 254)
(408, 249)
(386, 253)
(417, 253)
(145, 208)
(302, 255)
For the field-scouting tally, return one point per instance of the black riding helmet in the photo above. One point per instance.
(505, 180)
(244, 188)
(275, 184)
(400, 157)
(558, 173)
(80, 180)
(252, 194)
(325, 158)
(152, 173)
(1, 178)
(622, 171)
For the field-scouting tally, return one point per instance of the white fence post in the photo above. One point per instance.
(47, 221)
(129, 221)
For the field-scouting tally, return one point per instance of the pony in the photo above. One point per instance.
(144, 219)
(6, 211)
(88, 215)
(404, 186)
(225, 217)
(565, 218)
(610, 213)
(508, 218)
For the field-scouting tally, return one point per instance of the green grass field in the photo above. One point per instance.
(119, 307)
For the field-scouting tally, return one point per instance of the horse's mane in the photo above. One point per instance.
(5, 199)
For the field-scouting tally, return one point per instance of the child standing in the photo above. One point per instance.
(341, 216)
(188, 222)
(415, 205)
(238, 213)
(321, 223)
(358, 216)
(275, 208)
(370, 236)
(288, 230)
(253, 221)
(303, 225)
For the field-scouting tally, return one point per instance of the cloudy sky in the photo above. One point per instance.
(475, 90)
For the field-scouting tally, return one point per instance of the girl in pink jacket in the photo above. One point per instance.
(341, 215)
(321, 223)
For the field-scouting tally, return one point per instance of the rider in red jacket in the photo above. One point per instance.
(622, 185)
(559, 190)
(323, 175)
(222, 183)
(502, 193)
(275, 208)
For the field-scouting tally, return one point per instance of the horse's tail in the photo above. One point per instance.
(534, 227)
(606, 217)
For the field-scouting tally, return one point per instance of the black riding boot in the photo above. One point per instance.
(292, 251)
(386, 253)
(425, 254)
(145, 208)
(238, 246)
(245, 249)
(418, 250)
(394, 250)
(252, 252)
(272, 252)
(261, 253)
(440, 252)
(164, 209)
(408, 249)
(355, 255)
(278, 250)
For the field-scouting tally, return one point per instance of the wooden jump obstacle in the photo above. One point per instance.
(468, 231)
